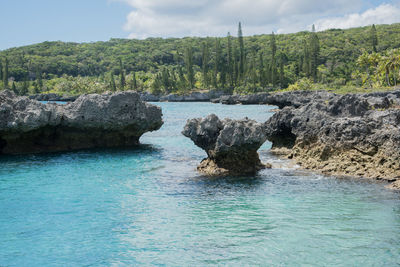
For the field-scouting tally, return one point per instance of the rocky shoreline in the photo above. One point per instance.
(108, 120)
(352, 135)
(144, 96)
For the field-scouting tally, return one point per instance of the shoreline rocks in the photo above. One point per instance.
(231, 145)
(108, 120)
(354, 134)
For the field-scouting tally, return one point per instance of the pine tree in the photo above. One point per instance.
(241, 51)
(112, 82)
(14, 88)
(261, 71)
(36, 87)
(273, 71)
(182, 80)
(217, 62)
(134, 82)
(204, 61)
(314, 54)
(230, 61)
(374, 38)
(1, 71)
(282, 62)
(5, 74)
(25, 86)
(122, 75)
(306, 59)
(189, 66)
(39, 80)
(253, 72)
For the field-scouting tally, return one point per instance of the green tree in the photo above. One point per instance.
(314, 54)
(14, 88)
(261, 71)
(230, 61)
(25, 86)
(134, 82)
(122, 75)
(374, 38)
(5, 74)
(112, 82)
(205, 59)
(273, 65)
(189, 66)
(241, 51)
(1, 71)
(217, 62)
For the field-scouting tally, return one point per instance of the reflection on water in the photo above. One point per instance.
(147, 205)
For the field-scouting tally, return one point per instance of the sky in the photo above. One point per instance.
(25, 22)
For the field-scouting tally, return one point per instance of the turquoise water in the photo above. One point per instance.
(148, 206)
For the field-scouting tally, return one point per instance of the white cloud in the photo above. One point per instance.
(178, 18)
(383, 14)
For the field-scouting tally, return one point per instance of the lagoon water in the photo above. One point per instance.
(149, 206)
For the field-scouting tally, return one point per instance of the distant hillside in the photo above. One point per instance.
(339, 51)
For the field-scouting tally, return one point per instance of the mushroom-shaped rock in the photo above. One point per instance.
(108, 120)
(231, 145)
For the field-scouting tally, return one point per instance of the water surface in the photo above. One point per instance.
(149, 206)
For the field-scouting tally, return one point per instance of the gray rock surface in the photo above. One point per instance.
(53, 97)
(108, 120)
(231, 145)
(354, 134)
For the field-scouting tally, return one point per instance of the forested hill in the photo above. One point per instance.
(338, 51)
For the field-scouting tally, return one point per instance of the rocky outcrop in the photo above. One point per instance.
(281, 99)
(191, 97)
(231, 145)
(354, 134)
(53, 97)
(108, 120)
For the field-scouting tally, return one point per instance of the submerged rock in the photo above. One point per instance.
(231, 145)
(108, 120)
(354, 134)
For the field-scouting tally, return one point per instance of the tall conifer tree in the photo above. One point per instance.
(241, 51)
(122, 75)
(5, 74)
(374, 38)
(189, 66)
(205, 58)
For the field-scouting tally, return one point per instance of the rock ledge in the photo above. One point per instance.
(108, 120)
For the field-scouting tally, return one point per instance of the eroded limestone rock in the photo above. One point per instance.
(231, 145)
(108, 120)
(354, 134)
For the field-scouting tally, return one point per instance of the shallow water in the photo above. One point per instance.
(148, 206)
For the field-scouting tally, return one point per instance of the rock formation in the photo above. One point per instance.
(108, 120)
(231, 145)
(354, 134)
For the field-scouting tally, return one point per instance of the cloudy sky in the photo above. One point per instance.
(26, 21)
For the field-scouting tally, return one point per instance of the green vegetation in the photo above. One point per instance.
(341, 60)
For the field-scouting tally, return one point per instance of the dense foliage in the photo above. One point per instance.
(366, 56)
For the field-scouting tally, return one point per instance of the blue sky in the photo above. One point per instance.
(31, 21)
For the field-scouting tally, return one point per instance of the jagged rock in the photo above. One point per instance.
(231, 145)
(108, 120)
(147, 97)
(53, 97)
(191, 97)
(354, 134)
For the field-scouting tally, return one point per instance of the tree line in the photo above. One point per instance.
(233, 64)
